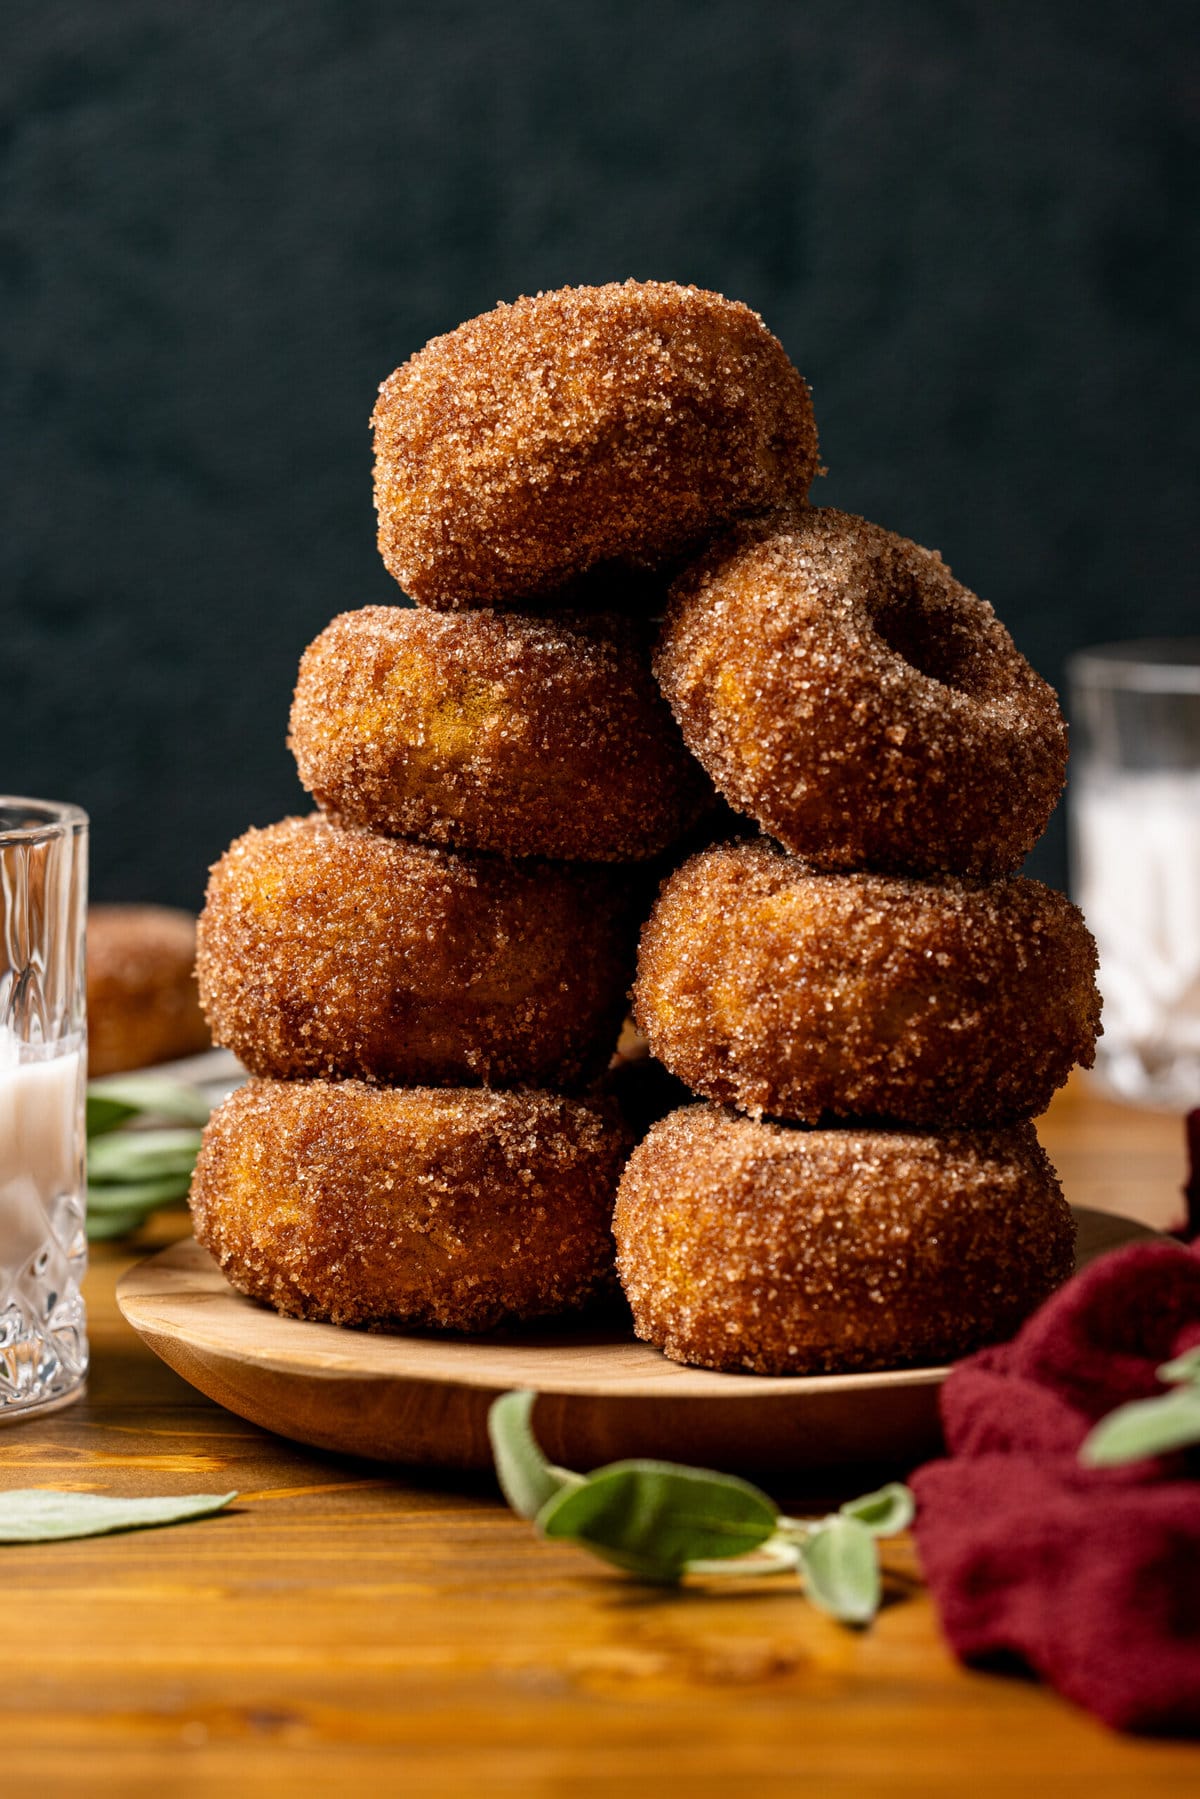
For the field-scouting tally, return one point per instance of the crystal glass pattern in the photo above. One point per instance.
(43, 1047)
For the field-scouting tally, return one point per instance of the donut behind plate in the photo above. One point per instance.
(142, 1002)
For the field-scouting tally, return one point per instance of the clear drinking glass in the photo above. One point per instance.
(1134, 812)
(43, 1049)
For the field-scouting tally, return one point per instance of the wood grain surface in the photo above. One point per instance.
(347, 1629)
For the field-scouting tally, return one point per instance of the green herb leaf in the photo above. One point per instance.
(117, 1099)
(142, 1156)
(660, 1521)
(138, 1196)
(653, 1518)
(1144, 1427)
(105, 1114)
(885, 1512)
(39, 1515)
(527, 1479)
(1185, 1367)
(104, 1227)
(841, 1570)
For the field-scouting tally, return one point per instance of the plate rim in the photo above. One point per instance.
(333, 1345)
(428, 1406)
(703, 1384)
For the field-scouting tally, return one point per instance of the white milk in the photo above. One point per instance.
(1136, 852)
(40, 1196)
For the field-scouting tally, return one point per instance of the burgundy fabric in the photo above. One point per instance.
(1090, 1576)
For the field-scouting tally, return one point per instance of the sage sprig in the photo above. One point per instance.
(132, 1172)
(663, 1522)
(1146, 1427)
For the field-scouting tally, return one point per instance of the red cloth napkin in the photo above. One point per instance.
(1090, 1576)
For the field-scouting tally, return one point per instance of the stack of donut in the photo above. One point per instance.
(874, 1004)
(424, 975)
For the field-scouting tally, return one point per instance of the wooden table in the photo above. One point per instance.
(353, 1630)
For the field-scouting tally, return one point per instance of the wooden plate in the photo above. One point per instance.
(424, 1399)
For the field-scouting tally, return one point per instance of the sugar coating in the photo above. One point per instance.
(766, 985)
(369, 1205)
(482, 730)
(866, 709)
(743, 1245)
(324, 950)
(591, 424)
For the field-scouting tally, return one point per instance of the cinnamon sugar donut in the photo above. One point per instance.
(142, 1002)
(592, 424)
(325, 950)
(528, 736)
(801, 995)
(868, 711)
(785, 1251)
(374, 1205)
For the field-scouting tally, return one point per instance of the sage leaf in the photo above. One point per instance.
(142, 1156)
(1144, 1427)
(883, 1513)
(41, 1515)
(1185, 1367)
(138, 1196)
(118, 1098)
(105, 1114)
(653, 1518)
(104, 1227)
(527, 1479)
(841, 1569)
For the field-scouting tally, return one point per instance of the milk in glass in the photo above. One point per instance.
(1134, 805)
(43, 1251)
(43, 1035)
(1137, 878)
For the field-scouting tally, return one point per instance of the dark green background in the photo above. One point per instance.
(972, 225)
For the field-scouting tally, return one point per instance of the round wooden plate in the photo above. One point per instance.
(420, 1398)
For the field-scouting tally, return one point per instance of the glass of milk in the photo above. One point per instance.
(1134, 813)
(43, 1013)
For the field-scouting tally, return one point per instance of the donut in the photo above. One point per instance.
(591, 425)
(766, 985)
(374, 1205)
(142, 1003)
(324, 950)
(491, 731)
(744, 1245)
(868, 711)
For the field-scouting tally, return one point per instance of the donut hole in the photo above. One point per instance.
(930, 638)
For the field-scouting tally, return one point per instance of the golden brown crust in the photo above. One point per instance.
(369, 1205)
(143, 1006)
(489, 731)
(325, 950)
(588, 425)
(801, 995)
(754, 1246)
(866, 709)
